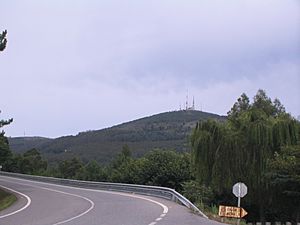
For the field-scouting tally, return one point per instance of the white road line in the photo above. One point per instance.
(165, 208)
(65, 193)
(19, 210)
(75, 217)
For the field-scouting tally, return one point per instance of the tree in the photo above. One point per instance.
(264, 103)
(32, 162)
(5, 153)
(3, 40)
(123, 157)
(200, 194)
(125, 169)
(279, 108)
(165, 168)
(240, 106)
(284, 178)
(239, 149)
(92, 172)
(70, 168)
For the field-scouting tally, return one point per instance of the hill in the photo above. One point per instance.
(168, 130)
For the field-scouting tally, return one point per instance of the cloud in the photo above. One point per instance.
(77, 65)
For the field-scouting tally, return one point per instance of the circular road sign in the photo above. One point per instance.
(239, 190)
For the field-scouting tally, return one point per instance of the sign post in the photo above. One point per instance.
(239, 190)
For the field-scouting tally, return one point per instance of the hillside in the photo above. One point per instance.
(166, 130)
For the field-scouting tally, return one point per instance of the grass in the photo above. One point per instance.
(6, 199)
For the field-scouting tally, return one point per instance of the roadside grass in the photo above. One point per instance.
(6, 199)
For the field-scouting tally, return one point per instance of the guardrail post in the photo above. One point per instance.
(173, 198)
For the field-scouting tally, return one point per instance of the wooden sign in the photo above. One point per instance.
(233, 212)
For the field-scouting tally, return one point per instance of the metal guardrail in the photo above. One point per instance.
(161, 192)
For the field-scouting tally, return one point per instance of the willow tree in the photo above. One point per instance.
(284, 179)
(239, 149)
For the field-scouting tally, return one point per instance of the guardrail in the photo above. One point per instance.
(161, 192)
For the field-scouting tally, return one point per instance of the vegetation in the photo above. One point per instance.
(6, 199)
(5, 153)
(158, 167)
(257, 145)
(3, 40)
(30, 162)
(284, 177)
(168, 130)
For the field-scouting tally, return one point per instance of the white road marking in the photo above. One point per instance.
(61, 192)
(165, 208)
(66, 193)
(75, 217)
(19, 210)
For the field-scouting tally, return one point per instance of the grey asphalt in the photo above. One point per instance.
(53, 204)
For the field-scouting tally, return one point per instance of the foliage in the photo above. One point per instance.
(92, 172)
(70, 168)
(239, 149)
(5, 153)
(197, 193)
(284, 178)
(30, 162)
(158, 167)
(3, 40)
(168, 130)
(124, 169)
(165, 168)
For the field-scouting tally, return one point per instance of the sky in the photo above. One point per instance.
(77, 65)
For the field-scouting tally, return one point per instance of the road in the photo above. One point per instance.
(50, 204)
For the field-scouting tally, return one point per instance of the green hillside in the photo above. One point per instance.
(166, 130)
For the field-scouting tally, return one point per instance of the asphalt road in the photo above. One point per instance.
(49, 204)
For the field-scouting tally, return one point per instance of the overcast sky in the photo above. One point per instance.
(77, 65)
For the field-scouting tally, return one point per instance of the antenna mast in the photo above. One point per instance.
(187, 100)
(193, 103)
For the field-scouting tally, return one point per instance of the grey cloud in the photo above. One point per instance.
(142, 56)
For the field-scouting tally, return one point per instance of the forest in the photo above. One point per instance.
(258, 144)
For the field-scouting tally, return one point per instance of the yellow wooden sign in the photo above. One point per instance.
(230, 211)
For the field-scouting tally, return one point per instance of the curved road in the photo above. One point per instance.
(50, 204)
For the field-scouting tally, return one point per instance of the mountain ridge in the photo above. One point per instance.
(167, 130)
